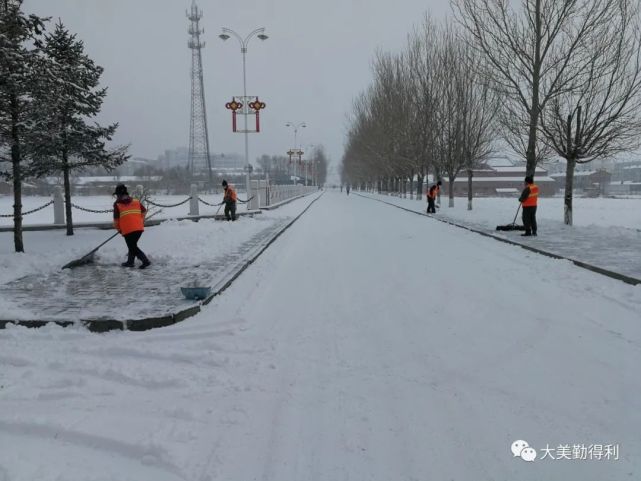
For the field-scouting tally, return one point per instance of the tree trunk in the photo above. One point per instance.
(419, 186)
(569, 186)
(17, 178)
(530, 155)
(411, 189)
(470, 195)
(68, 215)
(450, 192)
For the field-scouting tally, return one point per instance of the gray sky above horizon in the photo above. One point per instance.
(315, 62)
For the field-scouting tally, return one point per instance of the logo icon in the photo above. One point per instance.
(522, 449)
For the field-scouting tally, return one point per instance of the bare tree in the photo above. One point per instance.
(605, 108)
(422, 71)
(532, 55)
(481, 106)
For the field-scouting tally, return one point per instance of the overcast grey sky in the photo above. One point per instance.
(315, 62)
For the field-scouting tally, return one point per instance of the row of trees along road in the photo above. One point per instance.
(49, 92)
(566, 74)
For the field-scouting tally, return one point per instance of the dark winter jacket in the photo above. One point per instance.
(525, 194)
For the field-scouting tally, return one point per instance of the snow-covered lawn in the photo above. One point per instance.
(489, 211)
(170, 243)
(366, 344)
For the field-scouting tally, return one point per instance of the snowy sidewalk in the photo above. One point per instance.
(182, 252)
(614, 248)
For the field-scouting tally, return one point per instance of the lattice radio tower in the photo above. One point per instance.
(198, 133)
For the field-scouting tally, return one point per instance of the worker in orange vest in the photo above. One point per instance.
(432, 194)
(129, 220)
(529, 200)
(229, 199)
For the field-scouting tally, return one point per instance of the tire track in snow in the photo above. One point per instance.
(149, 456)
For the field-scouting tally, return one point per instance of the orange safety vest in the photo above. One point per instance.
(230, 194)
(130, 218)
(433, 192)
(532, 199)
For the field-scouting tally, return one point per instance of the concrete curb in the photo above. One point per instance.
(104, 325)
(584, 265)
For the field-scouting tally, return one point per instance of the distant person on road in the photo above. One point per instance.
(129, 220)
(529, 200)
(432, 194)
(229, 199)
(347, 189)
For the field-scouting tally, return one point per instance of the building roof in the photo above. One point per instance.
(539, 180)
(515, 168)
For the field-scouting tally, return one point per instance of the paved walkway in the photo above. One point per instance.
(99, 292)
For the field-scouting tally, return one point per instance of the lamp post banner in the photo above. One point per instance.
(249, 106)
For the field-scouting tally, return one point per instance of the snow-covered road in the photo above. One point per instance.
(366, 344)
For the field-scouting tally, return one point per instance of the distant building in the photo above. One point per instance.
(178, 157)
(588, 181)
(495, 180)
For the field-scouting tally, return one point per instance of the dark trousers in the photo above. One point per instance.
(529, 220)
(431, 208)
(134, 251)
(230, 210)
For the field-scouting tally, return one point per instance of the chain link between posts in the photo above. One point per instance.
(207, 203)
(29, 211)
(91, 210)
(168, 206)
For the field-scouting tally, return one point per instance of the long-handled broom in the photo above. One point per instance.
(513, 225)
(88, 257)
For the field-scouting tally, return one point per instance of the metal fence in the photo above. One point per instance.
(265, 195)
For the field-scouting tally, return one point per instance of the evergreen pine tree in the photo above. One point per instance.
(17, 72)
(64, 137)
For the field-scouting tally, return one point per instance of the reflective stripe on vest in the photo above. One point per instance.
(130, 217)
(532, 199)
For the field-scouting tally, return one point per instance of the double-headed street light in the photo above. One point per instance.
(296, 126)
(226, 35)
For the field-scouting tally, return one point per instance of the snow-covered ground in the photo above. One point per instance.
(491, 211)
(170, 243)
(606, 232)
(366, 344)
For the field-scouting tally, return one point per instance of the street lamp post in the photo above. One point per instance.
(296, 126)
(260, 33)
(308, 162)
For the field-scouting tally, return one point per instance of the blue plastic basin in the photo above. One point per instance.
(196, 293)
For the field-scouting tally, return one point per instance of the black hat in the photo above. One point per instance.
(529, 179)
(439, 183)
(121, 189)
(224, 183)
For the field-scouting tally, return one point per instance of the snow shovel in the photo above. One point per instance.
(88, 257)
(513, 225)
